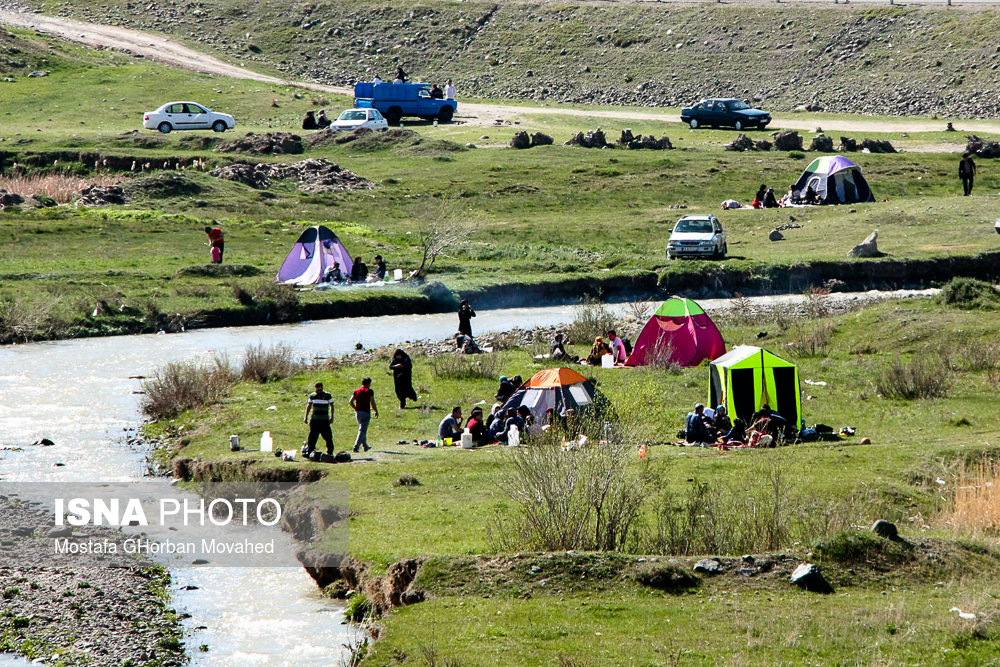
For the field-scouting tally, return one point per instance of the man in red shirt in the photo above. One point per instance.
(363, 404)
(215, 240)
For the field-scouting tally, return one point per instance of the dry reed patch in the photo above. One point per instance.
(975, 506)
(62, 188)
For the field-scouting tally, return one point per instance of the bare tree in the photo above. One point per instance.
(443, 229)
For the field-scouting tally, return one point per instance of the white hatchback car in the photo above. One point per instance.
(352, 119)
(186, 116)
(697, 236)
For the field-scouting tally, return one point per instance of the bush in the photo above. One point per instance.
(276, 302)
(970, 294)
(359, 608)
(467, 366)
(593, 318)
(921, 378)
(811, 341)
(665, 577)
(268, 364)
(181, 386)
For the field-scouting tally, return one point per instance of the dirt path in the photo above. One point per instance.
(161, 49)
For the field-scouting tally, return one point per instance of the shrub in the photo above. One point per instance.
(921, 378)
(665, 577)
(21, 321)
(593, 318)
(276, 302)
(812, 341)
(181, 386)
(268, 364)
(467, 366)
(60, 187)
(969, 294)
(359, 608)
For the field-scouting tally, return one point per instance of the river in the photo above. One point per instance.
(81, 395)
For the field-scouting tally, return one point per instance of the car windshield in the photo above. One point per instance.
(696, 226)
(353, 115)
(738, 105)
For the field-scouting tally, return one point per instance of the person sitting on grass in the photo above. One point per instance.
(512, 420)
(737, 435)
(758, 199)
(524, 412)
(380, 268)
(617, 347)
(695, 426)
(720, 421)
(333, 274)
(599, 349)
(769, 199)
(309, 122)
(450, 427)
(558, 351)
(477, 428)
(322, 122)
(465, 344)
(359, 271)
(810, 196)
(505, 389)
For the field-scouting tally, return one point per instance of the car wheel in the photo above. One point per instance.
(693, 124)
(738, 126)
(725, 249)
(445, 114)
(762, 126)
(393, 115)
(669, 256)
(219, 126)
(164, 127)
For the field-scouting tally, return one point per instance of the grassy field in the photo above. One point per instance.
(888, 608)
(535, 217)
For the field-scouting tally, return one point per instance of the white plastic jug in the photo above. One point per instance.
(467, 441)
(513, 436)
(397, 274)
(234, 443)
(607, 361)
(266, 444)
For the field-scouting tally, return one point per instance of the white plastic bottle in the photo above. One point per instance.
(266, 444)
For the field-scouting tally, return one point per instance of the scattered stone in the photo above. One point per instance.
(822, 143)
(762, 145)
(877, 146)
(592, 139)
(848, 145)
(520, 140)
(775, 235)
(885, 529)
(535, 569)
(748, 559)
(541, 139)
(808, 577)
(982, 148)
(10, 199)
(38, 74)
(59, 531)
(741, 143)
(787, 140)
(107, 195)
(708, 566)
(23, 531)
(44, 442)
(865, 441)
(649, 141)
(867, 248)
(312, 175)
(270, 143)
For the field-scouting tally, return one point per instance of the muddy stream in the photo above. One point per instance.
(80, 394)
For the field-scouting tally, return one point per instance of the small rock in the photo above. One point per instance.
(44, 442)
(885, 529)
(808, 577)
(59, 531)
(39, 73)
(708, 566)
(822, 143)
(535, 569)
(24, 531)
(787, 140)
(775, 235)
(520, 140)
(867, 248)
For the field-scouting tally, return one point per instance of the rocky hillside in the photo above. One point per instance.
(888, 60)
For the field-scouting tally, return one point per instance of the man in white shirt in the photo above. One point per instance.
(449, 91)
(377, 80)
(617, 348)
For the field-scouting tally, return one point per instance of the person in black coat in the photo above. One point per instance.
(465, 315)
(309, 122)
(402, 376)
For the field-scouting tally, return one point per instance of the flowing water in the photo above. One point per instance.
(81, 395)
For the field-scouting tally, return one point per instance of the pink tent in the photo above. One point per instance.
(679, 332)
(315, 250)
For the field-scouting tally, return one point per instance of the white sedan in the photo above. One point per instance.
(697, 236)
(186, 116)
(352, 119)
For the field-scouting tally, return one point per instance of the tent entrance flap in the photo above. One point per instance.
(742, 392)
(787, 391)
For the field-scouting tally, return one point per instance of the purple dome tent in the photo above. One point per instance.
(316, 249)
(836, 180)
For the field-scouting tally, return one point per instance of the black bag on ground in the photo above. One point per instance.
(628, 346)
(329, 458)
(342, 457)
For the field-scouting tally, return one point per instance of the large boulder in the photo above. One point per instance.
(821, 143)
(885, 529)
(541, 139)
(740, 143)
(982, 148)
(520, 140)
(787, 140)
(808, 577)
(762, 145)
(848, 145)
(877, 146)
(10, 199)
(867, 248)
(101, 195)
(592, 139)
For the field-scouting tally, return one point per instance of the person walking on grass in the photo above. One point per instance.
(216, 240)
(402, 377)
(363, 404)
(967, 172)
(320, 404)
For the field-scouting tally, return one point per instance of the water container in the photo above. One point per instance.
(266, 444)
(467, 441)
(513, 436)
(607, 361)
(234, 443)
(397, 274)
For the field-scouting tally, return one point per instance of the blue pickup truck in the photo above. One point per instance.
(395, 100)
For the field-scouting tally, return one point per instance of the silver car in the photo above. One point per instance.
(186, 116)
(697, 236)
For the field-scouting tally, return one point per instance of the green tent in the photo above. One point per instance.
(747, 377)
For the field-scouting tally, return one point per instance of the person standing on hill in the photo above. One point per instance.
(465, 315)
(967, 172)
(449, 90)
(320, 403)
(216, 240)
(402, 377)
(363, 404)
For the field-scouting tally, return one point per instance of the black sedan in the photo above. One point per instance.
(725, 113)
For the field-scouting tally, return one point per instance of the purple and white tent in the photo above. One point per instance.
(836, 180)
(316, 249)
